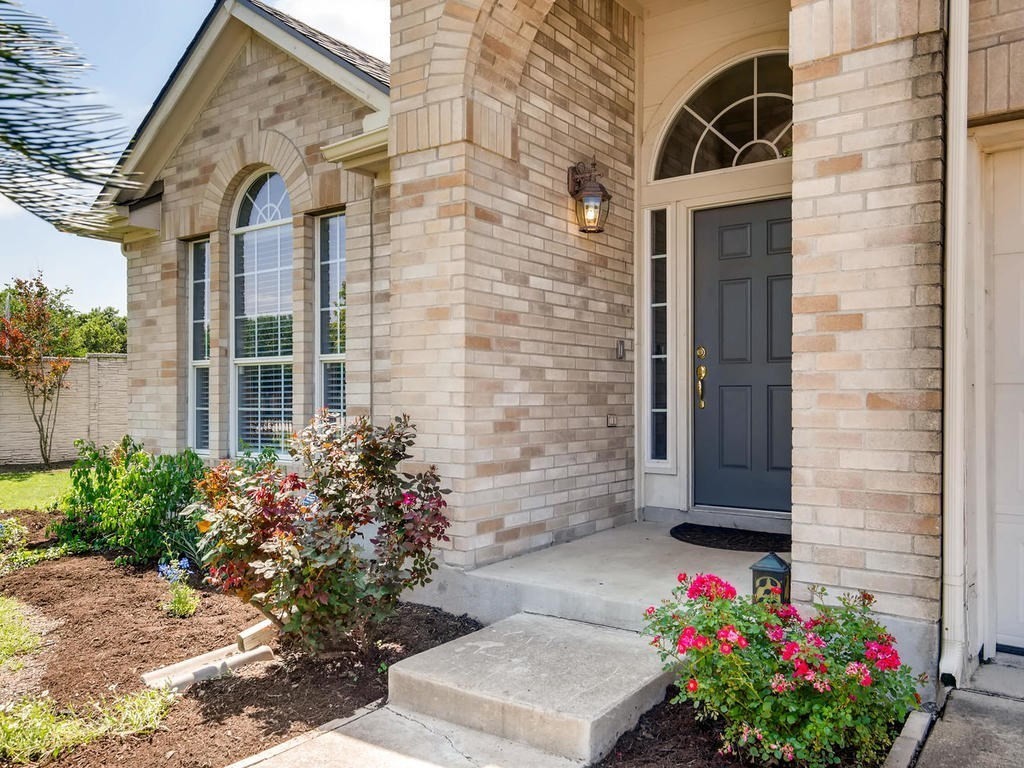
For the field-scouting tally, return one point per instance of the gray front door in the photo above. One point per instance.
(742, 435)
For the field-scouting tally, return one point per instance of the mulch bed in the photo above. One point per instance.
(36, 521)
(106, 629)
(669, 736)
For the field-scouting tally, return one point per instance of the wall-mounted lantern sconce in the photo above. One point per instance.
(592, 200)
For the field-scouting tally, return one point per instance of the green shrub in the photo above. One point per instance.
(127, 499)
(34, 729)
(13, 535)
(785, 689)
(329, 564)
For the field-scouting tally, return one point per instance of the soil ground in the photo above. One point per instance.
(669, 736)
(103, 627)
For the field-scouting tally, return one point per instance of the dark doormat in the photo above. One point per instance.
(731, 538)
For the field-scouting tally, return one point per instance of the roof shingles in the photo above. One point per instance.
(369, 65)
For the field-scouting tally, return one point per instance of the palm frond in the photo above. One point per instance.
(57, 147)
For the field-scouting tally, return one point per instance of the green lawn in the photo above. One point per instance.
(32, 490)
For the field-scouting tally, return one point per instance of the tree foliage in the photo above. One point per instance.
(31, 338)
(100, 330)
(56, 147)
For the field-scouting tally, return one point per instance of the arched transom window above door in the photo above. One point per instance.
(741, 116)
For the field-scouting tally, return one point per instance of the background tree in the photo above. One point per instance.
(100, 330)
(31, 336)
(56, 148)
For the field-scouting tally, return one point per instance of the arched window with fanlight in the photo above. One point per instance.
(741, 116)
(262, 304)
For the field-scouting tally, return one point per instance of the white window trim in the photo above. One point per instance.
(193, 363)
(235, 363)
(667, 465)
(335, 357)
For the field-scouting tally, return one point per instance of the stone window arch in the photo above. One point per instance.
(742, 115)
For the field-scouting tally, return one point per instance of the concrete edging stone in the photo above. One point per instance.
(911, 739)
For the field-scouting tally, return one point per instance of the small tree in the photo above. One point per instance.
(31, 337)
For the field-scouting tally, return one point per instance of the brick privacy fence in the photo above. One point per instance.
(93, 407)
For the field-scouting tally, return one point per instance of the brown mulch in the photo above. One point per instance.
(111, 626)
(36, 521)
(110, 629)
(669, 736)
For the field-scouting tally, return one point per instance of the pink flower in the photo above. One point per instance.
(650, 610)
(709, 586)
(692, 685)
(789, 650)
(815, 640)
(690, 639)
(786, 612)
(775, 632)
(408, 499)
(883, 654)
(725, 648)
(742, 642)
(681, 578)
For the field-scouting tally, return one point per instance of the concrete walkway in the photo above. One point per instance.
(982, 725)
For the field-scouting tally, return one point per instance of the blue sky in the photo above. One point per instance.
(133, 46)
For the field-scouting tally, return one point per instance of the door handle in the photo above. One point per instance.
(702, 371)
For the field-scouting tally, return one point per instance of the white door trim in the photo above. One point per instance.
(682, 197)
(971, 467)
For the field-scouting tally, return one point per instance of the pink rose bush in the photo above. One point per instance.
(785, 689)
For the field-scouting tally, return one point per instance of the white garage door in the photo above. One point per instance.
(1007, 371)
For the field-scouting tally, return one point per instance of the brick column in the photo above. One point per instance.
(304, 317)
(867, 293)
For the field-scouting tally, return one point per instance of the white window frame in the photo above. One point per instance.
(668, 464)
(195, 364)
(237, 363)
(335, 357)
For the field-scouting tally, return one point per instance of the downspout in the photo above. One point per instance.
(373, 191)
(954, 433)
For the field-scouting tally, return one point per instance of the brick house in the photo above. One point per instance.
(819, 203)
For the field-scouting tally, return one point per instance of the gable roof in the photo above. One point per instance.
(361, 62)
(204, 62)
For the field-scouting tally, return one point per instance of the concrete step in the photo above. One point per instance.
(564, 687)
(395, 738)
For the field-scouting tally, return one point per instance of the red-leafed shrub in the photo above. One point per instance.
(326, 556)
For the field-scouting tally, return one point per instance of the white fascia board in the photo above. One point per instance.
(316, 61)
(169, 111)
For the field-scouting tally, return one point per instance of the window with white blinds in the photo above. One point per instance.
(262, 344)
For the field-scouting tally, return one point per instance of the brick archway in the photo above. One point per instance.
(271, 149)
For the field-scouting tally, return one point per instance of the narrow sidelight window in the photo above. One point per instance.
(659, 335)
(199, 371)
(332, 289)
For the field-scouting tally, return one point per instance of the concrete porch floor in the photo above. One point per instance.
(607, 578)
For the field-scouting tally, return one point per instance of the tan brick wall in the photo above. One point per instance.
(867, 251)
(996, 61)
(269, 110)
(505, 317)
(93, 407)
